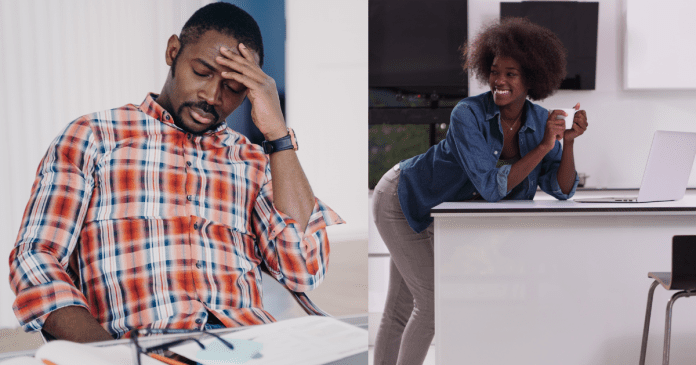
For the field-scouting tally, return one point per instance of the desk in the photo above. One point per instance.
(356, 320)
(553, 282)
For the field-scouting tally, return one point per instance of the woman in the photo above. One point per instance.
(498, 146)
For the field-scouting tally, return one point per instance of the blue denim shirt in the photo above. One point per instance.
(463, 165)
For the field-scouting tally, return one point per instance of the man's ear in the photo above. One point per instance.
(173, 48)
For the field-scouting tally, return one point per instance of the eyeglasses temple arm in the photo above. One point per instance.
(167, 345)
(229, 345)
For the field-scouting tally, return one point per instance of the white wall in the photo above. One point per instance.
(63, 59)
(646, 49)
(614, 149)
(326, 76)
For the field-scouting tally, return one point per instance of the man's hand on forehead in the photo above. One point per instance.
(226, 51)
(262, 90)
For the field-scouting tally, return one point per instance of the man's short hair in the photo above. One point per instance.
(227, 19)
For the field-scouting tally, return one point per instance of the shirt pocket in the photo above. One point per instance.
(229, 193)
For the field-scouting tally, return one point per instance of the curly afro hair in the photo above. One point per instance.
(538, 51)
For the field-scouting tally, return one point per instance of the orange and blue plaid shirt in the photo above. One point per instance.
(148, 226)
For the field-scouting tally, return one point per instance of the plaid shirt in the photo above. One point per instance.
(148, 226)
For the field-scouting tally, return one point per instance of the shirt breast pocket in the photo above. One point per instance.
(230, 191)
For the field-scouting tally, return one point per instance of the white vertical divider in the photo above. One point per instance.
(326, 83)
(60, 60)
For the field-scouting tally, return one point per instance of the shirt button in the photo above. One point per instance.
(495, 152)
(474, 193)
(199, 265)
(199, 321)
(188, 163)
(189, 197)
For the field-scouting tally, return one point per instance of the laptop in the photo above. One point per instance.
(667, 172)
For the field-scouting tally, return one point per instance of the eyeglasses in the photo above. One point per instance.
(138, 350)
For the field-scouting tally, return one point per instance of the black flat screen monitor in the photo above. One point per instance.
(414, 46)
(575, 24)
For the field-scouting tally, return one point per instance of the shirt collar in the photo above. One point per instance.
(150, 107)
(492, 111)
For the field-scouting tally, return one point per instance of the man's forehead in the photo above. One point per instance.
(209, 43)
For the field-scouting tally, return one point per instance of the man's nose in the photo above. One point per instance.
(212, 93)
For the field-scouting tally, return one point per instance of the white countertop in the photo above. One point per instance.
(685, 206)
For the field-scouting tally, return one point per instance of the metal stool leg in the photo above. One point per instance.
(646, 326)
(668, 323)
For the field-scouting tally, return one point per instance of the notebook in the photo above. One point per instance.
(667, 172)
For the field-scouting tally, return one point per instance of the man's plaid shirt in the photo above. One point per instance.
(148, 226)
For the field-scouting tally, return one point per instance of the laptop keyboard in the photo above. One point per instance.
(625, 199)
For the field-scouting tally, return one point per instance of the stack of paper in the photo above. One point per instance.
(303, 341)
(72, 353)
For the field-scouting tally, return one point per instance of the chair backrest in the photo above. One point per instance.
(683, 262)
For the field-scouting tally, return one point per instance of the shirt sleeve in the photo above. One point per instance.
(298, 260)
(474, 154)
(50, 228)
(548, 176)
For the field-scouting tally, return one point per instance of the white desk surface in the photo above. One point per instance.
(686, 206)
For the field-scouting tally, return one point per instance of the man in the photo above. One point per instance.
(160, 216)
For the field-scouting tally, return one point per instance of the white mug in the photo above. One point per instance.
(568, 119)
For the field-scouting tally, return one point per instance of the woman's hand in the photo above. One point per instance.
(555, 129)
(579, 125)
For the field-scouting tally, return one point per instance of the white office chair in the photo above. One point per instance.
(282, 303)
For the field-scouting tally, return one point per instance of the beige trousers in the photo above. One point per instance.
(408, 323)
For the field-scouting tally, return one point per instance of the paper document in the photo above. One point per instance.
(71, 353)
(303, 341)
(22, 360)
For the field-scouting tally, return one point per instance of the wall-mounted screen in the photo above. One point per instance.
(414, 46)
(575, 24)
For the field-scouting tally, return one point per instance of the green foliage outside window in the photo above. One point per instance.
(391, 143)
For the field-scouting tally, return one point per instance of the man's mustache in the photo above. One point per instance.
(202, 105)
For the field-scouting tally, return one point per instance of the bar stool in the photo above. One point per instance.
(682, 277)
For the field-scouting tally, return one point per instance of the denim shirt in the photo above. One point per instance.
(463, 165)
